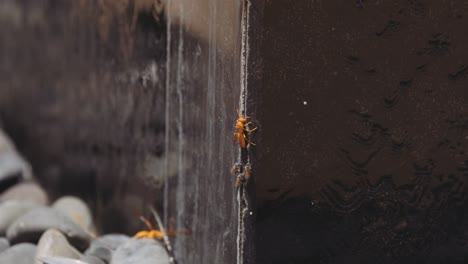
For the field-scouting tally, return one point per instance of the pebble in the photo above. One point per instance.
(92, 260)
(103, 246)
(18, 254)
(54, 244)
(100, 252)
(12, 166)
(30, 226)
(141, 251)
(4, 244)
(61, 260)
(61, 230)
(110, 241)
(12, 210)
(26, 191)
(77, 210)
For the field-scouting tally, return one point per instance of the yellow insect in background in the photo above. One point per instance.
(152, 233)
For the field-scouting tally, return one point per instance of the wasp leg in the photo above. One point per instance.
(248, 140)
(250, 130)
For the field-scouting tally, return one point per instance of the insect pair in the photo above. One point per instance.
(240, 131)
(240, 136)
(242, 173)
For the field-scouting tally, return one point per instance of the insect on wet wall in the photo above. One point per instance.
(242, 173)
(240, 131)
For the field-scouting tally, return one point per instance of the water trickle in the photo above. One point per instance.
(202, 94)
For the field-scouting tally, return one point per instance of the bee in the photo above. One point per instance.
(241, 129)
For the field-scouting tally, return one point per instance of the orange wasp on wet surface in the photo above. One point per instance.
(240, 130)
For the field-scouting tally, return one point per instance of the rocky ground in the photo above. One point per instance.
(35, 230)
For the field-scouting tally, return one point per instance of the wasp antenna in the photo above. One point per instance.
(147, 222)
(164, 233)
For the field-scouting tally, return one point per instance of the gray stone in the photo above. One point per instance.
(19, 254)
(4, 244)
(54, 244)
(12, 210)
(92, 260)
(60, 260)
(30, 226)
(103, 246)
(26, 191)
(12, 166)
(77, 210)
(99, 252)
(110, 241)
(141, 251)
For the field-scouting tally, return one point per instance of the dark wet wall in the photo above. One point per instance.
(361, 152)
(127, 104)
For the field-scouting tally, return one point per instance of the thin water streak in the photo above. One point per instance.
(180, 190)
(197, 129)
(167, 117)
